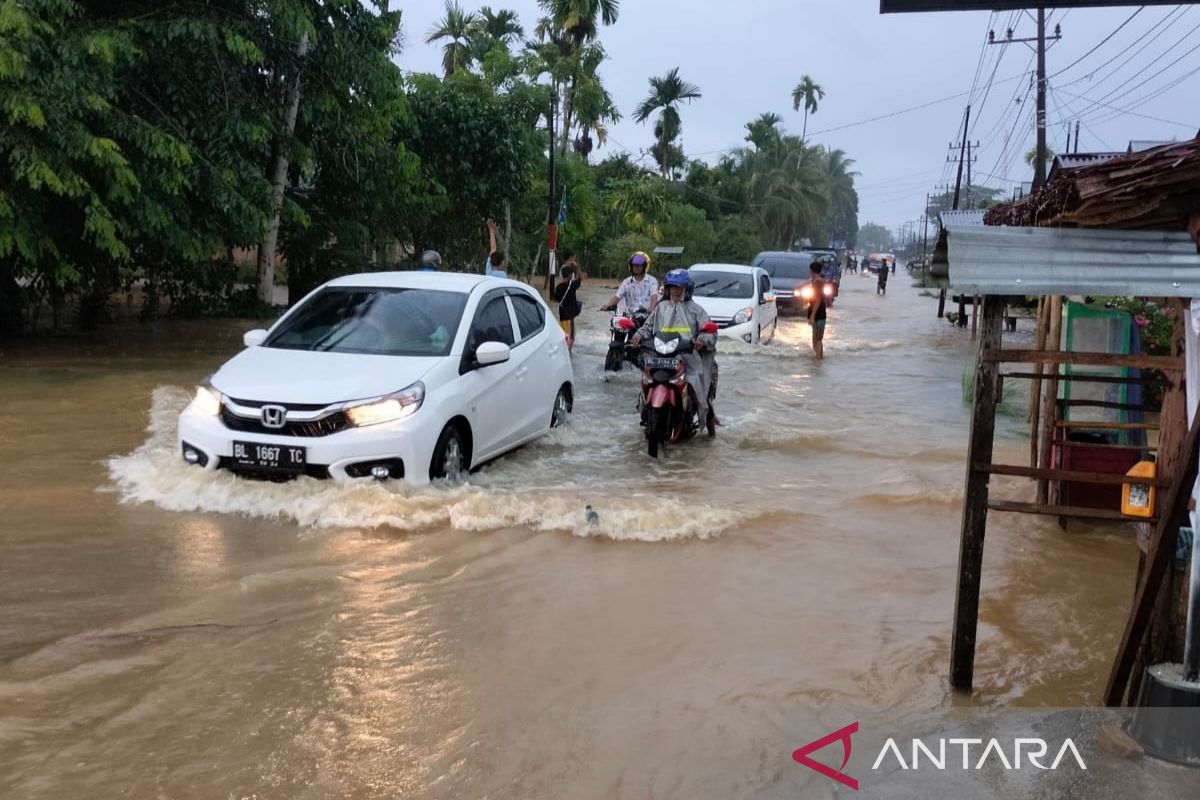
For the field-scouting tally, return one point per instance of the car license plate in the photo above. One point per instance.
(272, 457)
(658, 362)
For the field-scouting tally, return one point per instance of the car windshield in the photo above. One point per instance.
(723, 284)
(786, 267)
(375, 321)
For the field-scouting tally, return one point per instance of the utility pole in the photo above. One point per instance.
(1039, 165)
(962, 152)
(552, 214)
(1076, 150)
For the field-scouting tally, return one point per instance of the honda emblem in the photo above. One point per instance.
(274, 416)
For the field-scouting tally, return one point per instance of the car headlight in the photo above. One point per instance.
(396, 406)
(665, 348)
(743, 316)
(828, 290)
(208, 400)
(806, 293)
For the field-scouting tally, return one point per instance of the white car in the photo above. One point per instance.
(738, 298)
(412, 375)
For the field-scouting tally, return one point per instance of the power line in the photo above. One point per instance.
(1103, 42)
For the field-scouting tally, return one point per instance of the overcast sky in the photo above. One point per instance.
(746, 57)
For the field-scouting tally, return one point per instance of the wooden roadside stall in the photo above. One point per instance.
(1129, 227)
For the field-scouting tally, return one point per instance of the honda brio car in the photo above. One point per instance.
(412, 375)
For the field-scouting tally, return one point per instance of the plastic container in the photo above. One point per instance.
(1137, 499)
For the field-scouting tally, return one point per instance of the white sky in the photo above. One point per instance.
(747, 56)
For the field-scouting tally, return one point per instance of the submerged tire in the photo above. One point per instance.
(658, 429)
(614, 359)
(562, 409)
(451, 459)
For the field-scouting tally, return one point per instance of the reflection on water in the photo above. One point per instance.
(171, 632)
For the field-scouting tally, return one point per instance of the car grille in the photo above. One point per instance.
(325, 426)
(722, 322)
(318, 471)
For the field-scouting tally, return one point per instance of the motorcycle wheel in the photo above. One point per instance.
(612, 361)
(658, 429)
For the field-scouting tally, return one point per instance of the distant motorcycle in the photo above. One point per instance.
(667, 403)
(621, 330)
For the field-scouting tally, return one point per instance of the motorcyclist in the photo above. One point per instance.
(639, 290)
(677, 314)
(431, 260)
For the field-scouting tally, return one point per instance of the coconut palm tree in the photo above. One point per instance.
(763, 131)
(666, 93)
(580, 19)
(806, 93)
(456, 27)
(591, 106)
(494, 29)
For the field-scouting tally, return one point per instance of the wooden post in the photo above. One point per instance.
(975, 499)
(942, 302)
(1173, 514)
(1164, 639)
(975, 315)
(1049, 398)
(1035, 386)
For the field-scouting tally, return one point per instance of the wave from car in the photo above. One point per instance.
(413, 375)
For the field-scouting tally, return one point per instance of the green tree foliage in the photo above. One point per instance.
(875, 238)
(474, 155)
(666, 94)
(808, 94)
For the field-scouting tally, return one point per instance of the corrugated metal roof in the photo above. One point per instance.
(970, 216)
(1138, 145)
(1074, 160)
(1038, 261)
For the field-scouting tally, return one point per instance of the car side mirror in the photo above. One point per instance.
(254, 338)
(768, 297)
(490, 353)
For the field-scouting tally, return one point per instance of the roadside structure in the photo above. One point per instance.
(1123, 226)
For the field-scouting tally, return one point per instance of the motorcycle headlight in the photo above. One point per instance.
(743, 316)
(806, 293)
(665, 348)
(396, 406)
(207, 400)
(828, 290)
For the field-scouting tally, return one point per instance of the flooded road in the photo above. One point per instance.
(171, 633)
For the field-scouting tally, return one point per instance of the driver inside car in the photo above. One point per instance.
(679, 315)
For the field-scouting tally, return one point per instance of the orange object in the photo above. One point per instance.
(1137, 499)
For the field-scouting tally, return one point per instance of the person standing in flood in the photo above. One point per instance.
(816, 310)
(568, 304)
(881, 287)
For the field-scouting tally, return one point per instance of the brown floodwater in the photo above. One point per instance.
(165, 632)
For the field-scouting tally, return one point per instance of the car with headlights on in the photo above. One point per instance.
(789, 273)
(738, 298)
(413, 375)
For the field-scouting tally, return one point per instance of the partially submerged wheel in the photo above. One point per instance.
(562, 409)
(614, 360)
(450, 457)
(658, 429)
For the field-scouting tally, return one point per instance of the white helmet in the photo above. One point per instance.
(431, 257)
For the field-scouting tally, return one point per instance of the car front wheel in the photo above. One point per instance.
(450, 457)
(562, 409)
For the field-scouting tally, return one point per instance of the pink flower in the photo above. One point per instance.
(1141, 321)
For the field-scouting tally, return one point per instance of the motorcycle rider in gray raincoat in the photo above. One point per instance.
(677, 314)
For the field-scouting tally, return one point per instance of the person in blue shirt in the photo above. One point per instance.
(497, 262)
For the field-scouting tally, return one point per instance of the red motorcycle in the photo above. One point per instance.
(668, 401)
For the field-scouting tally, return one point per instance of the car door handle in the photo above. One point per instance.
(520, 373)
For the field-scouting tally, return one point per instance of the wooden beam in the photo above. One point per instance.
(1106, 426)
(1104, 478)
(975, 500)
(1172, 515)
(1048, 510)
(1049, 399)
(1147, 378)
(1103, 404)
(1085, 359)
(1035, 388)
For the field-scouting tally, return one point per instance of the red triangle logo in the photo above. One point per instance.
(843, 735)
